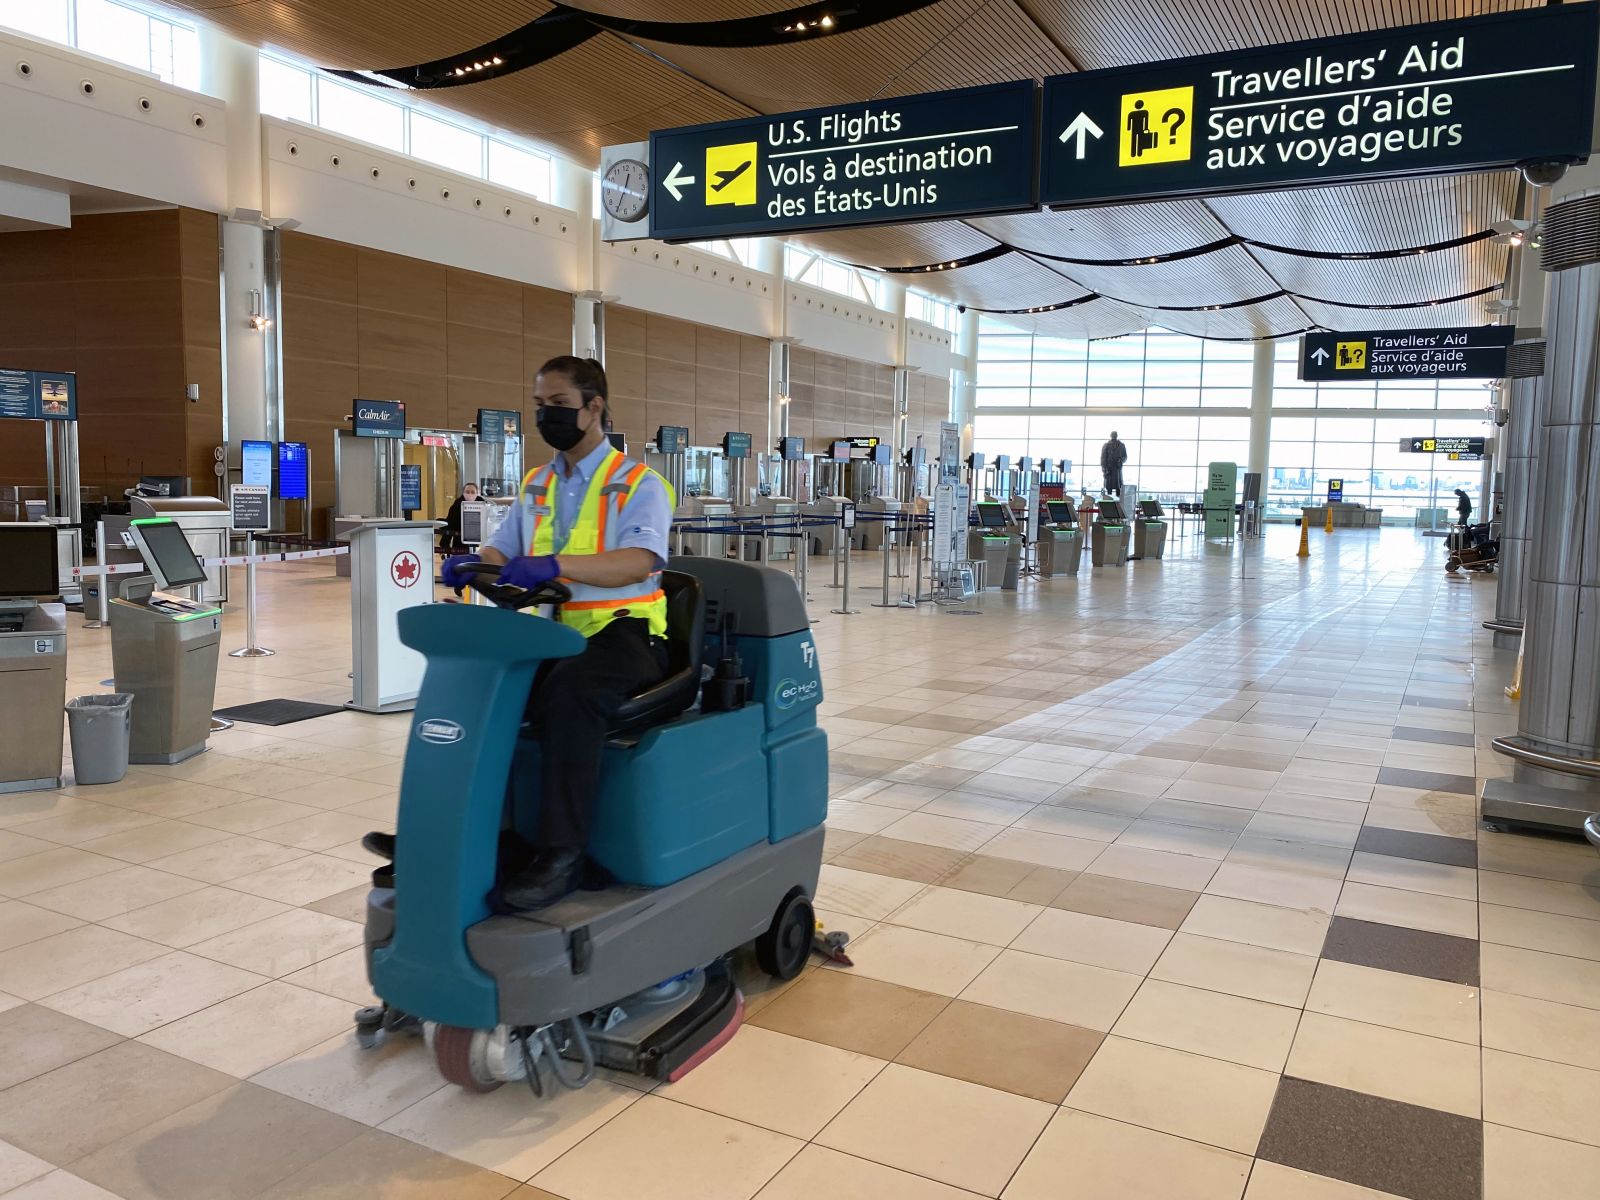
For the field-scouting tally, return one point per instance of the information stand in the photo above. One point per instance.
(390, 570)
(250, 512)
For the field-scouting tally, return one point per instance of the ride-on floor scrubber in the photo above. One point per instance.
(707, 825)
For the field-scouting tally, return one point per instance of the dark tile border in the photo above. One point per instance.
(1405, 951)
(1443, 737)
(1403, 1149)
(1428, 781)
(1424, 847)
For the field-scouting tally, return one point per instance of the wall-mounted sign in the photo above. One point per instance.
(38, 395)
(736, 445)
(379, 418)
(908, 158)
(293, 461)
(1335, 491)
(255, 463)
(1468, 95)
(1472, 352)
(791, 449)
(497, 424)
(410, 487)
(863, 442)
(250, 508)
(672, 439)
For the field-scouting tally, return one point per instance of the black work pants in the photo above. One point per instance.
(570, 709)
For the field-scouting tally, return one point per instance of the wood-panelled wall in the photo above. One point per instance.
(364, 323)
(130, 302)
(670, 372)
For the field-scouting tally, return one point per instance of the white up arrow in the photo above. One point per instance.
(676, 179)
(1082, 128)
(1319, 356)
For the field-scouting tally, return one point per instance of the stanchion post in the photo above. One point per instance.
(250, 649)
(838, 543)
(103, 604)
(844, 609)
(888, 548)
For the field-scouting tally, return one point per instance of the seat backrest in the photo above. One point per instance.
(686, 622)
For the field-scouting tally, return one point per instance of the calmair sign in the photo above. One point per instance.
(959, 153)
(1469, 95)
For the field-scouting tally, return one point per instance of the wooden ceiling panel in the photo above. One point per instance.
(1121, 231)
(1461, 312)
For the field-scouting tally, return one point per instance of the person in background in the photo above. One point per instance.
(1112, 455)
(450, 536)
(1463, 507)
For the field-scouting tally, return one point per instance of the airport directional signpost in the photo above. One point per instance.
(1471, 352)
(913, 158)
(1457, 449)
(1469, 95)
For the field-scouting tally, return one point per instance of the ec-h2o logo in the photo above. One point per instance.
(790, 692)
(440, 732)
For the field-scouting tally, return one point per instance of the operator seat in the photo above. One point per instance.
(686, 620)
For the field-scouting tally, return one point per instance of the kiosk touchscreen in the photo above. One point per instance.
(1061, 512)
(994, 516)
(1060, 545)
(33, 658)
(164, 647)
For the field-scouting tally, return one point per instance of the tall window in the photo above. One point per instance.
(922, 307)
(802, 266)
(127, 33)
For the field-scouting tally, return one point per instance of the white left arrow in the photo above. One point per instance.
(1083, 128)
(677, 179)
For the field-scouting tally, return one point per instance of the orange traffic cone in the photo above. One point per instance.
(1328, 526)
(1305, 545)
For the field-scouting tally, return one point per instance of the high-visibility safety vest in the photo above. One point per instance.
(593, 530)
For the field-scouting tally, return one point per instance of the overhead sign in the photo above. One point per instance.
(379, 418)
(293, 459)
(1471, 352)
(1466, 449)
(497, 424)
(1466, 95)
(912, 158)
(38, 395)
(736, 445)
(249, 508)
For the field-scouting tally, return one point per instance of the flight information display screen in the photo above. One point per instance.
(293, 460)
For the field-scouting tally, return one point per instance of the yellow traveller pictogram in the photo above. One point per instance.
(1350, 356)
(1156, 127)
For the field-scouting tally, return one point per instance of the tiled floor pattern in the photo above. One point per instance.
(1165, 885)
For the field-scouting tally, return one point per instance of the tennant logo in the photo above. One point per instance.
(440, 733)
(791, 692)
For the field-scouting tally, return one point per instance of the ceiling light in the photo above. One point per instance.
(827, 22)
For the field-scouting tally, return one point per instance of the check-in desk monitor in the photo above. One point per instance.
(164, 647)
(1151, 510)
(1061, 512)
(994, 516)
(1111, 512)
(33, 658)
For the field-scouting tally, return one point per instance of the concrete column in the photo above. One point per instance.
(1518, 493)
(230, 71)
(964, 379)
(768, 259)
(1261, 368)
(589, 325)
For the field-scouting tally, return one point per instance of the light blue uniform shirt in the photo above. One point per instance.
(646, 517)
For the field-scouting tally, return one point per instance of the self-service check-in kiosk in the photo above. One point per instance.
(164, 648)
(1108, 536)
(1060, 545)
(997, 542)
(1149, 530)
(33, 658)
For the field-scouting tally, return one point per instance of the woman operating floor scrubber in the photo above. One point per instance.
(708, 820)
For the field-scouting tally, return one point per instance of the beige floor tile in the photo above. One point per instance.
(1055, 989)
(737, 1081)
(1270, 1181)
(1527, 973)
(1539, 1096)
(861, 818)
(365, 1085)
(115, 893)
(1514, 891)
(1309, 858)
(196, 916)
(1075, 822)
(150, 994)
(818, 1171)
(1267, 885)
(34, 1040)
(343, 975)
(851, 1012)
(657, 1150)
(60, 1185)
(154, 841)
(1009, 1051)
(947, 1129)
(1412, 875)
(17, 1167)
(976, 806)
(283, 943)
(1127, 900)
(1285, 827)
(84, 1105)
(53, 868)
(1427, 1006)
(1572, 936)
(1185, 871)
(20, 845)
(1299, 931)
(977, 918)
(863, 893)
(255, 1029)
(304, 880)
(86, 822)
(1232, 1028)
(1178, 839)
(1238, 969)
(321, 831)
(929, 962)
(65, 960)
(1188, 1095)
(1097, 941)
(1543, 858)
(1414, 910)
(1092, 1158)
(378, 1164)
(1563, 1033)
(1044, 849)
(21, 922)
(949, 832)
(214, 1149)
(1402, 1066)
(226, 861)
(1517, 1165)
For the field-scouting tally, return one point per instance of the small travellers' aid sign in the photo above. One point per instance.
(1453, 96)
(1469, 352)
(909, 158)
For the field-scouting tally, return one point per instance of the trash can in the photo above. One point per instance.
(98, 727)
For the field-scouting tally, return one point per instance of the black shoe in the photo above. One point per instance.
(381, 844)
(549, 877)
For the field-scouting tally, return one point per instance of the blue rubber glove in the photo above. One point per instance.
(530, 571)
(451, 573)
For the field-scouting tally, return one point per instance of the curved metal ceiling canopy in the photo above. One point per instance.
(564, 27)
(1278, 295)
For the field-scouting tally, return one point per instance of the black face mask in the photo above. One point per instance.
(559, 426)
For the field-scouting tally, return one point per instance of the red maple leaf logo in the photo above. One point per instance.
(405, 568)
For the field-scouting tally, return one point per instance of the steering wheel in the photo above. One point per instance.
(484, 578)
